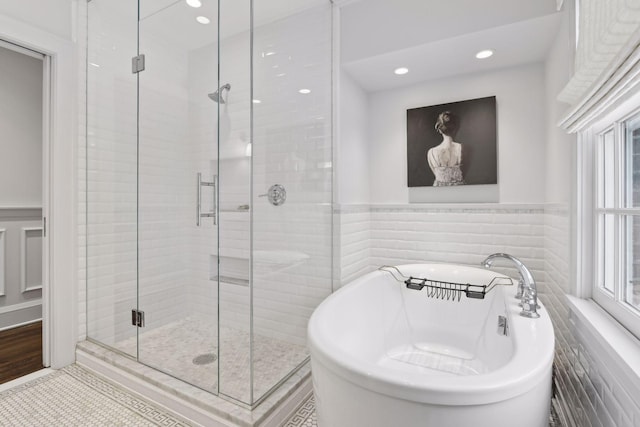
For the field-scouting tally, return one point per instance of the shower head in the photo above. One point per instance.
(217, 95)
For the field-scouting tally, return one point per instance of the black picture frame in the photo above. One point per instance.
(477, 134)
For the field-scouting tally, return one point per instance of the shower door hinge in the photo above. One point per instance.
(137, 64)
(137, 318)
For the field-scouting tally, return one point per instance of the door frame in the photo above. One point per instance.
(60, 285)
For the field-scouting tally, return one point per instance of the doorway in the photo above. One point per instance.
(24, 98)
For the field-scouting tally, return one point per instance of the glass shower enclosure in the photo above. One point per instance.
(209, 186)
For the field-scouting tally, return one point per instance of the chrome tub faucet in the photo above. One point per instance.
(529, 295)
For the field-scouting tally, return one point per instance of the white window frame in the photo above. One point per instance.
(588, 224)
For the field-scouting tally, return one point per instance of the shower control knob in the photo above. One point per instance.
(277, 195)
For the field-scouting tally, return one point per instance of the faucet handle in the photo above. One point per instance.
(521, 294)
(530, 303)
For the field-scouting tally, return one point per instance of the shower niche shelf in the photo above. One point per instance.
(236, 268)
(233, 270)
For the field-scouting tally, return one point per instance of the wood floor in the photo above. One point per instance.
(20, 351)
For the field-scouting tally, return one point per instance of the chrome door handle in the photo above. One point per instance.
(199, 198)
(199, 214)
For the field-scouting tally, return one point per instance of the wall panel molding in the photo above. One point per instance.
(20, 212)
(2, 261)
(21, 306)
(30, 262)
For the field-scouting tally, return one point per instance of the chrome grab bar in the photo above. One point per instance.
(212, 214)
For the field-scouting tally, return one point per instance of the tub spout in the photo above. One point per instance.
(530, 291)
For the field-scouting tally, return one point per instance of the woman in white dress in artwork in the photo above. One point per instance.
(445, 159)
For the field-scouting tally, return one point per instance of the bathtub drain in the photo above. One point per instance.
(205, 359)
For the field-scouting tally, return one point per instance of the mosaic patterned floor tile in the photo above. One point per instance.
(305, 416)
(75, 397)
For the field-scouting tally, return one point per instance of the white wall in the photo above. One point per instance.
(20, 129)
(522, 131)
(354, 136)
(53, 16)
(373, 233)
(558, 70)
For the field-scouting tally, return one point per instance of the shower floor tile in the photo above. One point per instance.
(75, 397)
(178, 347)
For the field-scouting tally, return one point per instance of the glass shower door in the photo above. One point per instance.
(192, 122)
(236, 210)
(292, 157)
(111, 174)
(177, 195)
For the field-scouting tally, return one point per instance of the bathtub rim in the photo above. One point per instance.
(530, 365)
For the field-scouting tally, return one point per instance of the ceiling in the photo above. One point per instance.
(437, 39)
(175, 21)
(433, 38)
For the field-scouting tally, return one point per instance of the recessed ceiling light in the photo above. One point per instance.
(304, 91)
(203, 20)
(256, 101)
(484, 54)
(400, 71)
(194, 3)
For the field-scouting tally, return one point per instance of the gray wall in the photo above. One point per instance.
(21, 79)
(20, 129)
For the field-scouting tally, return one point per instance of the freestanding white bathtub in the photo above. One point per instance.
(383, 355)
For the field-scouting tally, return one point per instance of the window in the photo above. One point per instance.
(616, 220)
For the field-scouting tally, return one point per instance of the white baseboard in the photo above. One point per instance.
(28, 322)
(20, 314)
(25, 379)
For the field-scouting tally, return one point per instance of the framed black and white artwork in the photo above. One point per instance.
(453, 144)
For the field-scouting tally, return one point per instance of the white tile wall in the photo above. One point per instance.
(465, 234)
(556, 259)
(593, 392)
(442, 235)
(81, 52)
(353, 242)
